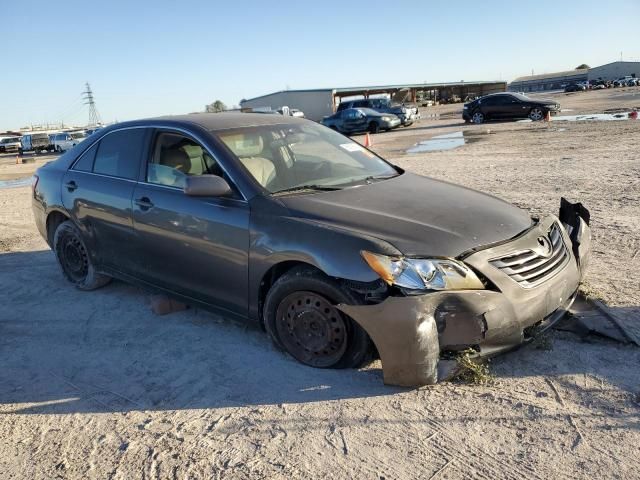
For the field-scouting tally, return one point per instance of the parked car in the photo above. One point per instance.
(64, 141)
(356, 120)
(632, 82)
(37, 142)
(9, 144)
(500, 106)
(624, 81)
(574, 87)
(330, 248)
(382, 105)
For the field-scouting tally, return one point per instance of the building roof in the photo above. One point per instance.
(380, 88)
(546, 76)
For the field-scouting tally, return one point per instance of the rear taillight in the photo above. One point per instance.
(34, 183)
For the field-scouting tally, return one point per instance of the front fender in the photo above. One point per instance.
(277, 238)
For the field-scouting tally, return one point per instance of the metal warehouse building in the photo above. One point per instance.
(318, 103)
(615, 70)
(558, 80)
(548, 81)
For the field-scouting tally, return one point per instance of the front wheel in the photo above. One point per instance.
(374, 127)
(301, 317)
(477, 117)
(74, 259)
(536, 114)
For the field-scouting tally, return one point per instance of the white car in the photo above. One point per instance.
(66, 141)
(9, 144)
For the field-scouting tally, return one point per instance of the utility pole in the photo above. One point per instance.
(94, 116)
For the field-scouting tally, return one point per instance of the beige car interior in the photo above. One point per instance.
(248, 149)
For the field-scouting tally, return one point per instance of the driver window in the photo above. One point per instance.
(174, 157)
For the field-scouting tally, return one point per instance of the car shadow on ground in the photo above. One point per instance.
(67, 351)
(584, 367)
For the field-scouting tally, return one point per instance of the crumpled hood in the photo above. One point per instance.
(418, 215)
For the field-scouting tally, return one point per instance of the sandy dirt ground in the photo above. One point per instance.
(93, 385)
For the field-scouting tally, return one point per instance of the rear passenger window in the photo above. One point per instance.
(85, 163)
(119, 154)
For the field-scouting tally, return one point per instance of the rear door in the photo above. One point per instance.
(97, 191)
(196, 246)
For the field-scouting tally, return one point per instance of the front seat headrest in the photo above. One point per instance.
(176, 158)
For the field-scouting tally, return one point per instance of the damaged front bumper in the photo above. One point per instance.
(412, 332)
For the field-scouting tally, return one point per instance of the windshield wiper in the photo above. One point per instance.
(371, 179)
(297, 188)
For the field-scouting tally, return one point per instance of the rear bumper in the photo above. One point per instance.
(412, 332)
(39, 216)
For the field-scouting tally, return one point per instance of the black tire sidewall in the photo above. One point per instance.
(93, 279)
(304, 279)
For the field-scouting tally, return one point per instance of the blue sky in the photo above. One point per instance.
(146, 58)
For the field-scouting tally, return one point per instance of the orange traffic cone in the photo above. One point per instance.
(18, 159)
(367, 140)
(547, 117)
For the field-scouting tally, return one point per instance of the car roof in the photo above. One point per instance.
(217, 121)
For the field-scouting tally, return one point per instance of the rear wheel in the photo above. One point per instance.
(74, 259)
(477, 117)
(301, 318)
(536, 114)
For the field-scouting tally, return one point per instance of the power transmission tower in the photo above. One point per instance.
(94, 116)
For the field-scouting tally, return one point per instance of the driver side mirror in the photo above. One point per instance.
(206, 186)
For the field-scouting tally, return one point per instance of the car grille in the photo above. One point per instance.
(532, 267)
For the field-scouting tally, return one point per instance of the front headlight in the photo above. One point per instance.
(387, 119)
(422, 273)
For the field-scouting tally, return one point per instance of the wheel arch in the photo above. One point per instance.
(272, 275)
(54, 219)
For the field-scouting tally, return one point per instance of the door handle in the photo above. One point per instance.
(71, 186)
(144, 203)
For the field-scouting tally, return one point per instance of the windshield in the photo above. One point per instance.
(288, 156)
(77, 136)
(521, 96)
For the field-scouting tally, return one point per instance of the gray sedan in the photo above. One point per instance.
(357, 120)
(328, 247)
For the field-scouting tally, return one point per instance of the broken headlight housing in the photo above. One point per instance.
(420, 274)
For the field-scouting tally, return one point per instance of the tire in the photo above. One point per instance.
(301, 318)
(373, 127)
(477, 117)
(537, 114)
(74, 258)
(58, 149)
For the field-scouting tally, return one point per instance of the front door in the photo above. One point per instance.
(196, 246)
(354, 120)
(97, 192)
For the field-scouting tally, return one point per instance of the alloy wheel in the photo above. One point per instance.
(536, 114)
(478, 117)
